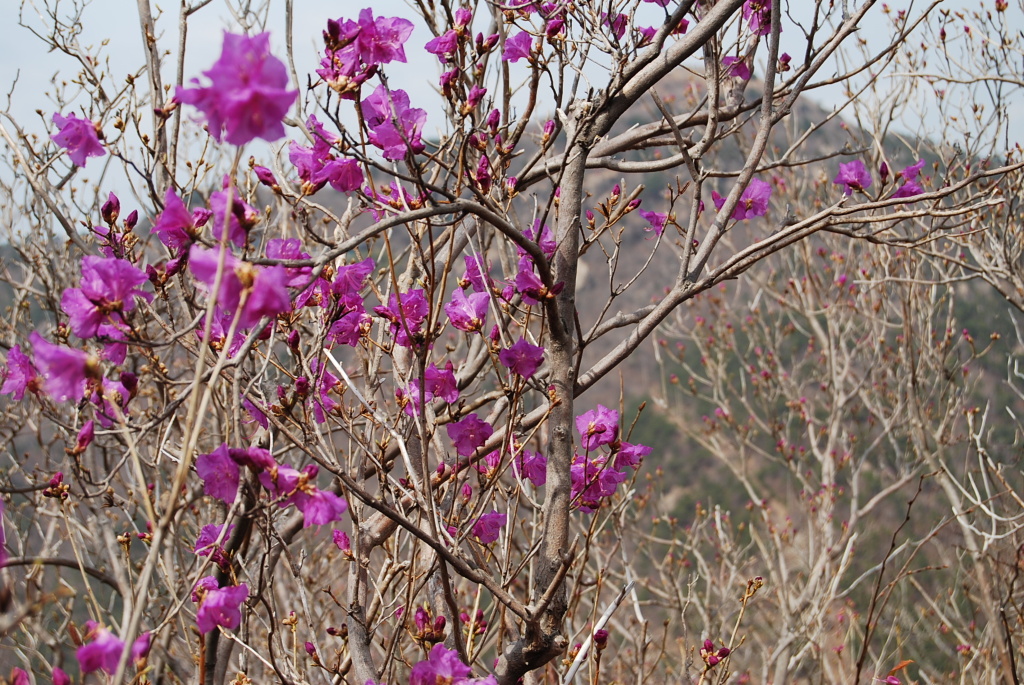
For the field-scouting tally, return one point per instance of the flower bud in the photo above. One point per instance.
(310, 649)
(601, 639)
(131, 219)
(266, 176)
(111, 209)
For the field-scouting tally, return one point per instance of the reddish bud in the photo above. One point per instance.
(111, 209)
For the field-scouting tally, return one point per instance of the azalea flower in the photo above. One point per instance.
(487, 527)
(79, 137)
(248, 95)
(517, 47)
(854, 175)
(469, 434)
(522, 358)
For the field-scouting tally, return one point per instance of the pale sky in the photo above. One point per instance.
(116, 21)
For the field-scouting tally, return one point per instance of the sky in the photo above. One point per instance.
(111, 27)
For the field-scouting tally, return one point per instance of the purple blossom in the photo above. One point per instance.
(543, 236)
(206, 543)
(107, 288)
(598, 427)
(656, 220)
(753, 202)
(323, 383)
(522, 358)
(290, 248)
(318, 166)
(910, 188)
(758, 14)
(111, 401)
(350, 278)
(476, 273)
(467, 313)
(438, 383)
(617, 23)
(531, 465)
(220, 474)
(248, 94)
(736, 67)
(487, 527)
(395, 127)
(320, 507)
(407, 312)
(630, 455)
(379, 40)
(441, 667)
(176, 227)
(101, 652)
(854, 175)
(19, 376)
(65, 371)
(341, 540)
(444, 46)
(469, 434)
(593, 479)
(529, 284)
(268, 294)
(79, 137)
(239, 220)
(517, 47)
(255, 413)
(60, 677)
(218, 606)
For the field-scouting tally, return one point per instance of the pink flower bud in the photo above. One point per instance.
(310, 649)
(265, 176)
(709, 646)
(111, 209)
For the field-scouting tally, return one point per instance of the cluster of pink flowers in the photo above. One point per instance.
(221, 472)
(596, 474)
(855, 177)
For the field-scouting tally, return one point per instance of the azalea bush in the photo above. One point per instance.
(327, 389)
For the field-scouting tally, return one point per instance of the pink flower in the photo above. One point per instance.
(407, 313)
(176, 227)
(19, 677)
(656, 220)
(910, 188)
(593, 479)
(438, 383)
(108, 288)
(101, 652)
(753, 202)
(854, 175)
(467, 313)
(239, 219)
(758, 14)
(60, 677)
(220, 474)
(64, 370)
(442, 666)
(736, 67)
(395, 127)
(207, 545)
(469, 434)
(631, 455)
(517, 47)
(19, 375)
(341, 540)
(318, 166)
(487, 527)
(320, 507)
(444, 46)
(532, 466)
(218, 606)
(268, 293)
(598, 427)
(248, 94)
(79, 137)
(522, 358)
